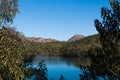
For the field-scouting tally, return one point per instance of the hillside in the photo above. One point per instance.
(46, 40)
(81, 47)
(74, 48)
(75, 38)
(41, 40)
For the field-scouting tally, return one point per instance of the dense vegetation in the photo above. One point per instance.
(51, 48)
(14, 61)
(11, 55)
(11, 52)
(80, 47)
(106, 61)
(76, 48)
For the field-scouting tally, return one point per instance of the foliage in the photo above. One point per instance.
(13, 57)
(11, 50)
(38, 72)
(51, 48)
(8, 10)
(106, 61)
(75, 48)
(80, 47)
(87, 74)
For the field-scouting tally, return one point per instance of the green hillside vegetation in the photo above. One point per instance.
(76, 48)
(51, 48)
(80, 47)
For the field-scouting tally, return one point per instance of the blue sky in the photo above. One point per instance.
(58, 19)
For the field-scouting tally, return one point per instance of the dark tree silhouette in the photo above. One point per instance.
(109, 30)
(36, 73)
(106, 59)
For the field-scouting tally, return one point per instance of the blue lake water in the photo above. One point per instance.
(66, 66)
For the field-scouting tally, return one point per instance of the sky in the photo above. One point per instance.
(58, 19)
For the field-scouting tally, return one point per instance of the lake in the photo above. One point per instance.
(66, 66)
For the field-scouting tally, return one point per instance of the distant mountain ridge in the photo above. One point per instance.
(41, 40)
(65, 48)
(46, 40)
(75, 38)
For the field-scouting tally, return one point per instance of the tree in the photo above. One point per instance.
(38, 72)
(8, 10)
(106, 59)
(11, 48)
(11, 55)
(14, 59)
(109, 30)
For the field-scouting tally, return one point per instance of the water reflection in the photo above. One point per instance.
(58, 60)
(66, 66)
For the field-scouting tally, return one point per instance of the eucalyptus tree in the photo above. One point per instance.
(11, 56)
(11, 48)
(106, 60)
(109, 30)
(8, 10)
(14, 59)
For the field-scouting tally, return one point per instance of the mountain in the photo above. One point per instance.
(41, 40)
(75, 38)
(73, 48)
(45, 40)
